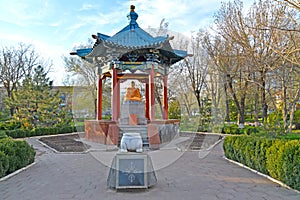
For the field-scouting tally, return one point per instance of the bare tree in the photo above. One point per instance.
(230, 54)
(195, 68)
(15, 64)
(181, 88)
(85, 75)
(216, 92)
(293, 3)
(278, 31)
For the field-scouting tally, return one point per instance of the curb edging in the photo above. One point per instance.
(17, 172)
(262, 174)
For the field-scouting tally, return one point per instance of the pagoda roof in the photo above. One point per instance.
(130, 38)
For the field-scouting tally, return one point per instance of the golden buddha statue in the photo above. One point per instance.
(132, 93)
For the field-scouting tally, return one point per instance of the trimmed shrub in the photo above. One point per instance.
(278, 158)
(250, 130)
(22, 133)
(67, 129)
(9, 125)
(232, 129)
(3, 164)
(260, 154)
(283, 162)
(2, 134)
(274, 153)
(15, 155)
(248, 151)
(291, 164)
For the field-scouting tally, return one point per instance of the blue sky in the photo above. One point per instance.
(54, 27)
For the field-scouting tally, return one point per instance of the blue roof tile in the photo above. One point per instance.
(131, 37)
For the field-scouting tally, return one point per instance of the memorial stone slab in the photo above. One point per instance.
(131, 170)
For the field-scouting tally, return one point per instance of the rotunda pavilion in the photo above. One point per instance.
(132, 54)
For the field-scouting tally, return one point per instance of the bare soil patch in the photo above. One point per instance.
(65, 143)
(198, 141)
(72, 143)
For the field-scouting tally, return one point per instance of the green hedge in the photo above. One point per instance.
(278, 158)
(2, 134)
(22, 133)
(284, 162)
(233, 129)
(14, 155)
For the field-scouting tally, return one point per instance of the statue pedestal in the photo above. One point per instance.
(133, 113)
(131, 170)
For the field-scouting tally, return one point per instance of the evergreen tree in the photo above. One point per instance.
(35, 101)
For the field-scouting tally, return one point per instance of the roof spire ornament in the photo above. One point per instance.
(132, 16)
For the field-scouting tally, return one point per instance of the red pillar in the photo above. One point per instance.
(151, 94)
(99, 98)
(118, 99)
(147, 114)
(165, 93)
(115, 95)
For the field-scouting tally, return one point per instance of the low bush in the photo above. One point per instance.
(250, 130)
(232, 129)
(22, 133)
(9, 125)
(14, 155)
(2, 134)
(278, 158)
(3, 164)
(283, 162)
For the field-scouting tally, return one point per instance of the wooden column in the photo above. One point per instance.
(151, 94)
(99, 98)
(165, 93)
(114, 103)
(147, 113)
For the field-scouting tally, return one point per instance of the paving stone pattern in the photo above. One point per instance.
(68, 176)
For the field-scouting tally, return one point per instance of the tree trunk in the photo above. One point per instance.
(256, 107)
(186, 105)
(284, 107)
(263, 96)
(296, 99)
(240, 105)
(227, 114)
(241, 120)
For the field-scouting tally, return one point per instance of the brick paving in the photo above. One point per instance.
(58, 176)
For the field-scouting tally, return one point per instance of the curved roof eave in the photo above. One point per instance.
(83, 52)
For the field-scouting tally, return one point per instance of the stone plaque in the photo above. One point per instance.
(131, 171)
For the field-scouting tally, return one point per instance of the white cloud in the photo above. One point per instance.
(55, 26)
(56, 23)
(22, 13)
(86, 7)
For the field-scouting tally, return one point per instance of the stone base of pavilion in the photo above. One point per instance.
(154, 133)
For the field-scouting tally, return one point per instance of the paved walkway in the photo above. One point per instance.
(192, 175)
